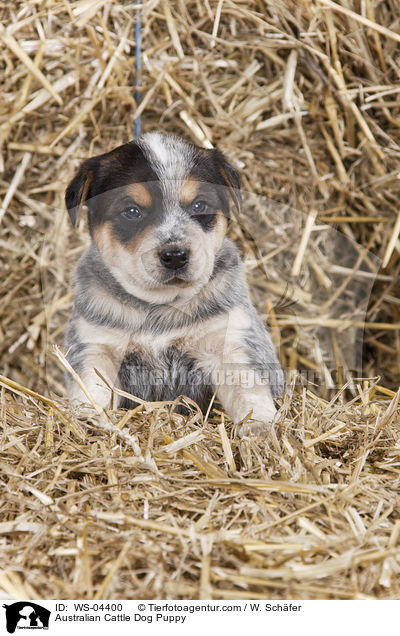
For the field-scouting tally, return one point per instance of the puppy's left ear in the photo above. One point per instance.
(78, 190)
(231, 179)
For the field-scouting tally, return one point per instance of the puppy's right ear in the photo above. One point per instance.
(78, 190)
(231, 178)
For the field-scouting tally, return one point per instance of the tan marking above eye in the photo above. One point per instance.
(139, 194)
(189, 190)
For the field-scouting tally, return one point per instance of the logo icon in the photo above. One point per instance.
(26, 615)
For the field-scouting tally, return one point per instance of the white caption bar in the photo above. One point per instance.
(84, 618)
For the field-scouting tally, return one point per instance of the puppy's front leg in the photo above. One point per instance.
(247, 370)
(91, 349)
(97, 359)
(239, 400)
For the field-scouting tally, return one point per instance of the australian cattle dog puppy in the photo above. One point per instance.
(161, 305)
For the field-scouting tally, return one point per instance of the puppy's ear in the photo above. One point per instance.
(78, 190)
(231, 179)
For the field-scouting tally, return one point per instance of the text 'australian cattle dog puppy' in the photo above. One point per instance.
(161, 305)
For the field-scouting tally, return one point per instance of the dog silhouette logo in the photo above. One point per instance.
(26, 615)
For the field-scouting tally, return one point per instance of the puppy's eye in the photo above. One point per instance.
(200, 207)
(131, 213)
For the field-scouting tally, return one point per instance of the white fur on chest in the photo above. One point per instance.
(216, 336)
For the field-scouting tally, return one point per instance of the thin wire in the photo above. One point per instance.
(138, 65)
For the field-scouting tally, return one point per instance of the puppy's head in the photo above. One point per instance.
(157, 211)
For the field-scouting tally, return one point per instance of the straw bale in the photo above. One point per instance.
(311, 513)
(304, 99)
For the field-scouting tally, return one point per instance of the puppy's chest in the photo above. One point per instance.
(160, 369)
(194, 339)
(171, 363)
(157, 347)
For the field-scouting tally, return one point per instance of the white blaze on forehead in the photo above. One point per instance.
(171, 158)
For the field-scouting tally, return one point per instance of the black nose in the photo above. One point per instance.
(174, 258)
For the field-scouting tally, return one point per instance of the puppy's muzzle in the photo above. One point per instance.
(174, 258)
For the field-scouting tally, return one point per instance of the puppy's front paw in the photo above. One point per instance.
(251, 413)
(254, 428)
(100, 395)
(260, 421)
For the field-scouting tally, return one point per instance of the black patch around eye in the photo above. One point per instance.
(203, 213)
(132, 213)
(206, 221)
(125, 229)
(199, 207)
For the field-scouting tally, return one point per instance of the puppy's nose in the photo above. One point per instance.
(174, 258)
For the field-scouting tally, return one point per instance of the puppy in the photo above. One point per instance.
(161, 305)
